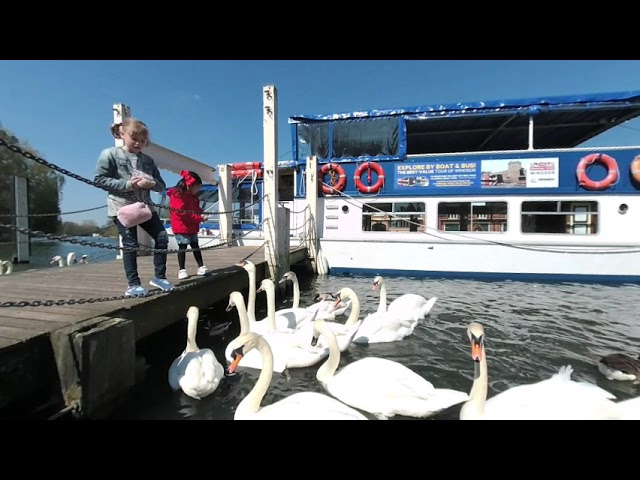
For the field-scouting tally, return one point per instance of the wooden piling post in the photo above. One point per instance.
(20, 193)
(225, 201)
(276, 253)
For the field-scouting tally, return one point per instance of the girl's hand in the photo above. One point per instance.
(144, 183)
(147, 184)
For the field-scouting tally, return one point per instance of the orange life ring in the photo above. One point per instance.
(376, 167)
(246, 173)
(246, 166)
(635, 169)
(604, 159)
(334, 170)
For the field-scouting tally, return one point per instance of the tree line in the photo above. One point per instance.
(45, 194)
(45, 187)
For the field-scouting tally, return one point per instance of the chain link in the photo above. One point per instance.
(125, 195)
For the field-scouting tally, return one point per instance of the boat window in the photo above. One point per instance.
(474, 217)
(573, 217)
(313, 139)
(372, 137)
(365, 138)
(394, 217)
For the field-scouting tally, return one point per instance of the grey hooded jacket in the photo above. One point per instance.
(114, 170)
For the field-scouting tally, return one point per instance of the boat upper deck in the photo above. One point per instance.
(495, 125)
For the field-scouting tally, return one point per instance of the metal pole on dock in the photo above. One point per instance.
(276, 218)
(21, 219)
(318, 261)
(225, 200)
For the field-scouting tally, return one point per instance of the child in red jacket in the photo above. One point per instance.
(185, 226)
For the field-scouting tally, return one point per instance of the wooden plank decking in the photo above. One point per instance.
(91, 280)
(27, 359)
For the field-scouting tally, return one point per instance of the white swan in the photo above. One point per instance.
(409, 306)
(262, 326)
(380, 386)
(557, 398)
(196, 371)
(344, 332)
(629, 409)
(250, 268)
(377, 327)
(299, 406)
(285, 318)
(71, 259)
(6, 267)
(289, 350)
(327, 308)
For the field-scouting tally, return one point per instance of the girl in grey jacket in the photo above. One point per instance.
(127, 169)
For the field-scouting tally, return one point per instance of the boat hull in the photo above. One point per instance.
(481, 261)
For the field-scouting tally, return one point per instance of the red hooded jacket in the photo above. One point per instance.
(184, 223)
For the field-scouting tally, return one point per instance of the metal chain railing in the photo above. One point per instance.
(126, 195)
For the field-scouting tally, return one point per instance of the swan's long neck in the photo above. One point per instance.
(271, 307)
(251, 303)
(328, 368)
(245, 327)
(192, 329)
(252, 401)
(296, 292)
(474, 407)
(355, 311)
(382, 306)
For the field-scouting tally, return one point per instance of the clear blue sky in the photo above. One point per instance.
(211, 110)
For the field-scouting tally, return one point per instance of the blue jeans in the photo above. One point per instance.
(156, 230)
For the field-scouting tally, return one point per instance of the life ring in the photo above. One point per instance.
(376, 167)
(246, 166)
(334, 170)
(612, 167)
(635, 169)
(246, 173)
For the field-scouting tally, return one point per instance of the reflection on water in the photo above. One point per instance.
(531, 331)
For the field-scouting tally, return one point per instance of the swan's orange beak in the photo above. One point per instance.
(476, 350)
(337, 302)
(374, 287)
(234, 364)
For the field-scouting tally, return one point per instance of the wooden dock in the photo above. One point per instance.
(83, 354)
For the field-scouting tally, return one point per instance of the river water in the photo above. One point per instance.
(43, 250)
(532, 329)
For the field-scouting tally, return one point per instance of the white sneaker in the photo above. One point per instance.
(203, 270)
(182, 274)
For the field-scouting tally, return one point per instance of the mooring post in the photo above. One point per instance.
(310, 213)
(225, 200)
(274, 250)
(120, 112)
(21, 219)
